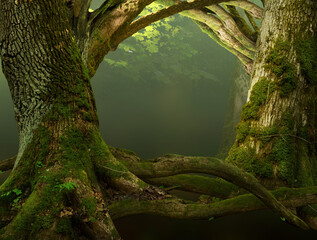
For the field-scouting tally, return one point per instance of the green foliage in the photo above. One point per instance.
(39, 164)
(167, 46)
(211, 218)
(17, 195)
(69, 186)
(280, 66)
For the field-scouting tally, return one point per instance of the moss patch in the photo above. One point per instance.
(306, 50)
(260, 93)
(284, 71)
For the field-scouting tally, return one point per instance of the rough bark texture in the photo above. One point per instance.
(53, 191)
(276, 138)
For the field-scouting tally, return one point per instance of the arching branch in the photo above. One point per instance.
(176, 164)
(113, 22)
(247, 62)
(250, 7)
(231, 25)
(176, 208)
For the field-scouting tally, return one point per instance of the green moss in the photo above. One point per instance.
(246, 159)
(63, 226)
(277, 61)
(261, 91)
(283, 150)
(243, 129)
(42, 222)
(306, 50)
(90, 205)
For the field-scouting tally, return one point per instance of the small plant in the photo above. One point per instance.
(17, 193)
(211, 218)
(39, 164)
(66, 186)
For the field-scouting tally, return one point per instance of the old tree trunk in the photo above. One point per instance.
(277, 136)
(66, 183)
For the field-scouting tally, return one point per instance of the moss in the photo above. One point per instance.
(283, 149)
(306, 50)
(243, 129)
(90, 205)
(74, 154)
(42, 222)
(261, 91)
(63, 226)
(277, 61)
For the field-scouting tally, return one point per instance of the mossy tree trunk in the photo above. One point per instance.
(53, 191)
(277, 136)
(65, 178)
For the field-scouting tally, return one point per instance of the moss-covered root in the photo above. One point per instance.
(113, 171)
(215, 187)
(64, 211)
(7, 164)
(176, 164)
(176, 208)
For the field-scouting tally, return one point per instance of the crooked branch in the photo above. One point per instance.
(176, 208)
(175, 164)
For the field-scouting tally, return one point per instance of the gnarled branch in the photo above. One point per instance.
(198, 184)
(176, 164)
(176, 208)
(252, 8)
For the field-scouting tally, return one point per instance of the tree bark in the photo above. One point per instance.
(276, 138)
(53, 191)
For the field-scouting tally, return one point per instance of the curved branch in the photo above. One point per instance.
(176, 164)
(232, 26)
(175, 6)
(253, 23)
(241, 23)
(176, 208)
(198, 184)
(7, 164)
(252, 8)
(247, 62)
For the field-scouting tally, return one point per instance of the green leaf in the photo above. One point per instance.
(17, 191)
(211, 218)
(283, 219)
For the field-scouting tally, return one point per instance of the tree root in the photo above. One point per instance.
(7, 164)
(181, 209)
(176, 164)
(215, 187)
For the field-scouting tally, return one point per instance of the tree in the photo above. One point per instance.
(66, 182)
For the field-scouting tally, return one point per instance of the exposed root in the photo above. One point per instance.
(215, 187)
(175, 164)
(7, 164)
(177, 208)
